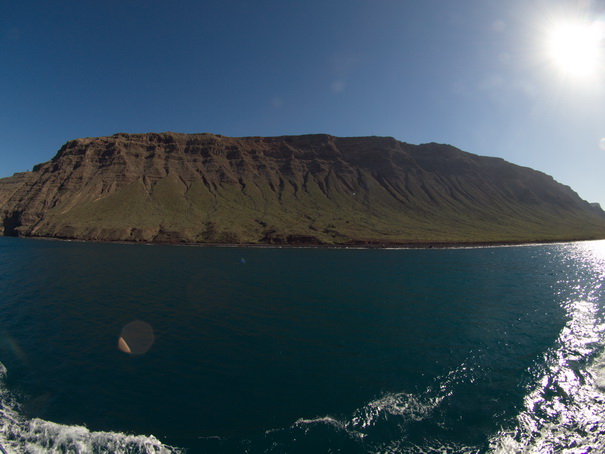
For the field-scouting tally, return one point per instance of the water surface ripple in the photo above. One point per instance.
(158, 349)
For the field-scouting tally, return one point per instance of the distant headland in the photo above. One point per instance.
(290, 190)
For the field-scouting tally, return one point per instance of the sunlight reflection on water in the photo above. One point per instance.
(538, 310)
(566, 411)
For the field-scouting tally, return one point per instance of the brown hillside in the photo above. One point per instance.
(315, 189)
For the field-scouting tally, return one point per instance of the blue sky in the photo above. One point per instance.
(477, 74)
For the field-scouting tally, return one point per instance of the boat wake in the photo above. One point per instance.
(558, 405)
(565, 412)
(32, 436)
(393, 423)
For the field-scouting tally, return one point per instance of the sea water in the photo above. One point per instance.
(157, 349)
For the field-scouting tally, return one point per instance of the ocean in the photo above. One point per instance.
(130, 348)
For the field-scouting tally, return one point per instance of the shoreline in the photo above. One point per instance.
(362, 245)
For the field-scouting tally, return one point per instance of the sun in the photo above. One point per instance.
(576, 48)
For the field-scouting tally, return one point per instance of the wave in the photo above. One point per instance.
(565, 412)
(36, 436)
(563, 408)
(381, 426)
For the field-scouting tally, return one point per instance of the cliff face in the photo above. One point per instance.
(294, 189)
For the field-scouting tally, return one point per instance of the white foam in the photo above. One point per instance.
(36, 436)
(410, 407)
(328, 420)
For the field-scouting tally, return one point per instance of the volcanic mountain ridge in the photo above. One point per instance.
(311, 189)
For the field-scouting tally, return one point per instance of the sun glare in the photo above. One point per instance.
(576, 47)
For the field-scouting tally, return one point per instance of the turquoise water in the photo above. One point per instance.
(247, 350)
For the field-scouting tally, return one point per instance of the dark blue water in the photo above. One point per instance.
(301, 350)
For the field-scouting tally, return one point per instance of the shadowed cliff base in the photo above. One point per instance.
(293, 190)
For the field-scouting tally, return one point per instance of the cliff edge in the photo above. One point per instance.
(312, 189)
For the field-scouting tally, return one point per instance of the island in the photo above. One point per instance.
(290, 190)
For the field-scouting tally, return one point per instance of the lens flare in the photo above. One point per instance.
(136, 338)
